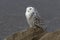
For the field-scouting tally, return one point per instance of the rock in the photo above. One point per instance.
(51, 36)
(33, 33)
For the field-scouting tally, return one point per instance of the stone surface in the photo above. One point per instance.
(51, 36)
(33, 33)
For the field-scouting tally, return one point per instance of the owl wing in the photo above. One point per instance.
(37, 20)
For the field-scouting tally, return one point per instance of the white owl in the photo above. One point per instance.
(33, 17)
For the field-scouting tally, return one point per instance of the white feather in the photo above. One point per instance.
(32, 16)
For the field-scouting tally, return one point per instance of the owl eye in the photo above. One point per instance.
(28, 11)
(30, 8)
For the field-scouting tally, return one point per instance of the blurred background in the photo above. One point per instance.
(12, 15)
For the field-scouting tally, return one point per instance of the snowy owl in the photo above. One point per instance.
(32, 17)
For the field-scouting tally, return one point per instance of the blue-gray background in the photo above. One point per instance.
(12, 16)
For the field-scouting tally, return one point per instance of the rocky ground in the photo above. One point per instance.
(34, 34)
(51, 36)
(29, 34)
